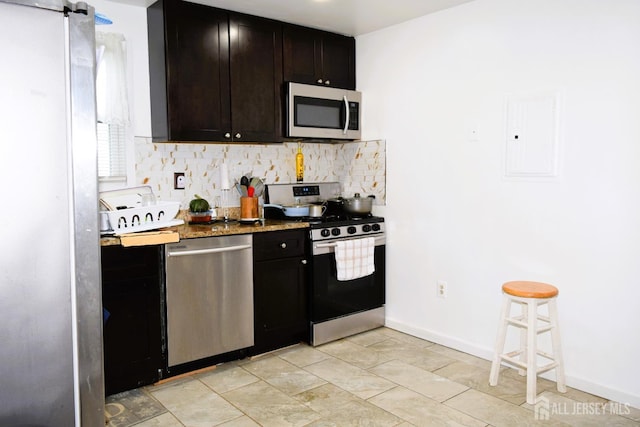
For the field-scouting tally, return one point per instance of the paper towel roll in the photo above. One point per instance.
(224, 177)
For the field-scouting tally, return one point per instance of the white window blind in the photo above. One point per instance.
(112, 105)
(111, 151)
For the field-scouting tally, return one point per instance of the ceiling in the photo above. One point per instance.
(350, 17)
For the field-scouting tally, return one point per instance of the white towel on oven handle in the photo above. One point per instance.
(354, 258)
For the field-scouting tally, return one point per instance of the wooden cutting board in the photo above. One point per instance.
(149, 238)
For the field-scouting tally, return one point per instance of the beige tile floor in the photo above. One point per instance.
(377, 378)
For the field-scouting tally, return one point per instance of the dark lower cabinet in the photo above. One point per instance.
(280, 289)
(132, 300)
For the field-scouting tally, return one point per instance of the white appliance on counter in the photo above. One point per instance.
(323, 112)
(50, 295)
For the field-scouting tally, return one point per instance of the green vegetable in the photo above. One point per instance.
(198, 205)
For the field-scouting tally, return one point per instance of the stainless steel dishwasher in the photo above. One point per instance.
(209, 297)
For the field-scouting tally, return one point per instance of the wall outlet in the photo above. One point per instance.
(441, 288)
(179, 181)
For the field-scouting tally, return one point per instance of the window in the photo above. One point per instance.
(112, 159)
(112, 106)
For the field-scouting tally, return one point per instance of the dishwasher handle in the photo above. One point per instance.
(210, 250)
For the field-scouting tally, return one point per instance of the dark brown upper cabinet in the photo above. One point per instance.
(214, 75)
(319, 57)
(256, 78)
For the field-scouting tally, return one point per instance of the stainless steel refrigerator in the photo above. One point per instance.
(50, 297)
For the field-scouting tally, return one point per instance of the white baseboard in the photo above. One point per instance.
(487, 354)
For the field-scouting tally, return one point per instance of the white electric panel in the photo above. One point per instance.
(532, 135)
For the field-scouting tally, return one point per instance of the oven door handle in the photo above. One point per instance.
(334, 244)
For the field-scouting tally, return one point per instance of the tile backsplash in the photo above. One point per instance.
(359, 166)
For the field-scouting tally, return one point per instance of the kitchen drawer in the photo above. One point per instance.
(140, 261)
(279, 244)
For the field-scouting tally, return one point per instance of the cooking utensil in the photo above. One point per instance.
(335, 206)
(250, 191)
(244, 181)
(358, 205)
(259, 188)
(291, 211)
(316, 211)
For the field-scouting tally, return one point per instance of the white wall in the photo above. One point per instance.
(453, 216)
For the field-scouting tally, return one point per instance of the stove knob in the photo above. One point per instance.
(325, 232)
(366, 228)
(335, 231)
(375, 227)
(351, 230)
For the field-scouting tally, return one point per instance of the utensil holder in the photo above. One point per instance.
(248, 207)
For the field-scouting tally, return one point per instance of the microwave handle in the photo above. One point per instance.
(347, 118)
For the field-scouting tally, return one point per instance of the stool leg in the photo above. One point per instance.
(532, 335)
(502, 332)
(523, 337)
(557, 350)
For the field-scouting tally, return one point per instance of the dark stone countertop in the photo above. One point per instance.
(220, 228)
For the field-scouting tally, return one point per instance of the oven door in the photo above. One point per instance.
(332, 298)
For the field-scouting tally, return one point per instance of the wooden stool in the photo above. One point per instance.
(530, 295)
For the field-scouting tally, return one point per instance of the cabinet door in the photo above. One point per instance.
(256, 79)
(338, 61)
(197, 72)
(302, 60)
(318, 57)
(280, 304)
(131, 291)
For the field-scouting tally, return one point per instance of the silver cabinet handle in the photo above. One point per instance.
(304, 261)
(283, 245)
(346, 120)
(327, 82)
(238, 135)
(227, 135)
(319, 80)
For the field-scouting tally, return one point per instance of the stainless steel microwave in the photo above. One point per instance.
(323, 112)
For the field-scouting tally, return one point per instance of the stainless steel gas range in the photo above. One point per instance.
(337, 307)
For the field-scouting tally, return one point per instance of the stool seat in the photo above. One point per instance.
(529, 296)
(524, 289)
